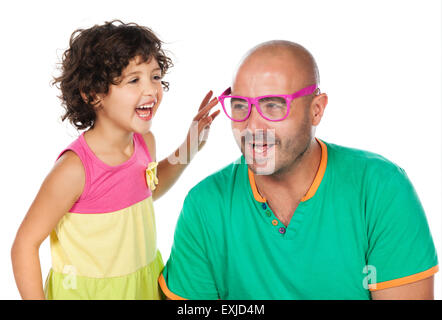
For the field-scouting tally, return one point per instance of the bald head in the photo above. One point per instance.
(271, 60)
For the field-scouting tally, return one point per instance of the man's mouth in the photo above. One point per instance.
(257, 146)
(145, 111)
(260, 149)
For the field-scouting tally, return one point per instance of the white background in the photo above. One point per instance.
(380, 64)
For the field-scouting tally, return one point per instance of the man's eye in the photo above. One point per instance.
(238, 106)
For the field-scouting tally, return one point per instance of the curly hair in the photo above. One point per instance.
(96, 58)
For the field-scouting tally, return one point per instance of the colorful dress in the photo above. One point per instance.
(105, 246)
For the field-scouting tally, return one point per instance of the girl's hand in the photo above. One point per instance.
(168, 171)
(199, 130)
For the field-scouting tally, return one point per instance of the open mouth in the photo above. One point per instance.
(145, 111)
(260, 149)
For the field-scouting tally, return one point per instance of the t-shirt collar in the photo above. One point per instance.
(316, 182)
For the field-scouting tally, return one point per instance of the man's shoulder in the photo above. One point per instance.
(363, 161)
(217, 183)
(208, 199)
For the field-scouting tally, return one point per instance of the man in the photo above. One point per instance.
(297, 217)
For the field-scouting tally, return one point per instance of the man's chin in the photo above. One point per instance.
(261, 167)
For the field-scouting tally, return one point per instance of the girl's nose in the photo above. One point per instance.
(150, 89)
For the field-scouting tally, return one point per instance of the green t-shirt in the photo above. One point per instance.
(360, 223)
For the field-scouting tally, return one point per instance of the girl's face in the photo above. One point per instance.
(132, 103)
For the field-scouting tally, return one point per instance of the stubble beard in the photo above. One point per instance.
(291, 156)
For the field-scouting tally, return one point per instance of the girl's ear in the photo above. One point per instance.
(83, 96)
(96, 102)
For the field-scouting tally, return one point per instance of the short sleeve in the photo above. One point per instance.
(400, 246)
(188, 272)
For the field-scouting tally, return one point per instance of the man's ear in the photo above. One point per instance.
(318, 105)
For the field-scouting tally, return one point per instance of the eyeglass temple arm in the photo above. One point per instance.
(305, 91)
(227, 92)
(309, 89)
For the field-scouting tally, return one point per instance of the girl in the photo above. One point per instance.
(96, 203)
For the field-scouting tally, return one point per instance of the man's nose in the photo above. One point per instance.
(255, 120)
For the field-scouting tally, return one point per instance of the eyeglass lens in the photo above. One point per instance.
(274, 108)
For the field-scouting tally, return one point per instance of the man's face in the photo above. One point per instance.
(272, 147)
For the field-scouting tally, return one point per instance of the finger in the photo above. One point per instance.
(215, 114)
(205, 100)
(204, 111)
(211, 118)
(205, 123)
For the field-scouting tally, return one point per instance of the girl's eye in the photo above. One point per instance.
(134, 80)
(158, 78)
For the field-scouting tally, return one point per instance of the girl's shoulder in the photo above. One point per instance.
(69, 168)
(149, 141)
(69, 160)
(62, 187)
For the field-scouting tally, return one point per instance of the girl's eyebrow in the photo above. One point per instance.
(132, 73)
(138, 72)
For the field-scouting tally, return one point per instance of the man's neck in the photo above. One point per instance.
(284, 191)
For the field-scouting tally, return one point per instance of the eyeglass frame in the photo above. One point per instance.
(254, 101)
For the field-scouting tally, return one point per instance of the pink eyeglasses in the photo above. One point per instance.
(271, 107)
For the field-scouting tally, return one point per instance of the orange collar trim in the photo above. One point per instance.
(316, 182)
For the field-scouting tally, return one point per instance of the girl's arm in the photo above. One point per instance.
(170, 168)
(57, 194)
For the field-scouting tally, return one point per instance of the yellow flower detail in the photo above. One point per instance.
(151, 176)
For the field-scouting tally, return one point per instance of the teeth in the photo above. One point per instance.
(261, 147)
(146, 106)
